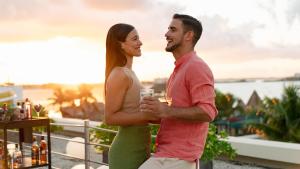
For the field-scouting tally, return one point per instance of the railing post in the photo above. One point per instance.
(86, 144)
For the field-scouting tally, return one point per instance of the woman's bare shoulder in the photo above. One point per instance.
(118, 75)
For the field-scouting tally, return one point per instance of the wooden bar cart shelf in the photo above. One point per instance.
(25, 135)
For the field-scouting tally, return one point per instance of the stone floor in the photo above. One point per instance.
(217, 164)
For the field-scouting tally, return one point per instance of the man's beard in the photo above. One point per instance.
(173, 47)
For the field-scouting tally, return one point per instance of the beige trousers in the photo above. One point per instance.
(167, 163)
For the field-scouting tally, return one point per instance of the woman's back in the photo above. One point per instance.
(131, 146)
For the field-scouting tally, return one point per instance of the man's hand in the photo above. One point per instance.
(162, 110)
(154, 106)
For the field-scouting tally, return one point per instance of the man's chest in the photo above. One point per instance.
(178, 88)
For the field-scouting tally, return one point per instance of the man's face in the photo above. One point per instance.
(174, 35)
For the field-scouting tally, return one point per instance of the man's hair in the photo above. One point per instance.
(190, 24)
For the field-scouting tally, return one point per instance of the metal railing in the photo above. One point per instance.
(86, 143)
(86, 133)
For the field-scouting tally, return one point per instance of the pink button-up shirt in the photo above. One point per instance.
(190, 84)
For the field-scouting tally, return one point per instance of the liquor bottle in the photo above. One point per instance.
(2, 115)
(2, 162)
(9, 161)
(5, 111)
(5, 107)
(17, 157)
(43, 151)
(23, 111)
(19, 105)
(28, 109)
(34, 152)
(17, 111)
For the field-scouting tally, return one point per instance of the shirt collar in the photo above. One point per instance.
(184, 58)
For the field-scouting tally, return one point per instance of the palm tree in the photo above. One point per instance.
(71, 96)
(62, 97)
(232, 114)
(225, 104)
(85, 92)
(65, 100)
(281, 118)
(59, 97)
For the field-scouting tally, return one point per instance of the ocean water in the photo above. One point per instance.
(42, 96)
(242, 90)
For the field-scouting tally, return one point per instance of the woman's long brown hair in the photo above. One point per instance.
(114, 53)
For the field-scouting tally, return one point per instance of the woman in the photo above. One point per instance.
(131, 146)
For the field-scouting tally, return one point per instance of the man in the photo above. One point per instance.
(184, 123)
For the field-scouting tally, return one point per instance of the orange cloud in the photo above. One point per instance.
(37, 20)
(91, 19)
(118, 5)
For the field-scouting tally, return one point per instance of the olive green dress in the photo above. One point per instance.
(131, 146)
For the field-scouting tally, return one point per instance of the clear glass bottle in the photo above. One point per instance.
(28, 109)
(17, 157)
(9, 161)
(10, 153)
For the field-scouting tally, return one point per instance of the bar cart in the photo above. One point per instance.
(25, 135)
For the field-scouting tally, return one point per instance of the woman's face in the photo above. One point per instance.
(132, 44)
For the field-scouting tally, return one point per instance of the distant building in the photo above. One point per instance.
(161, 80)
(297, 75)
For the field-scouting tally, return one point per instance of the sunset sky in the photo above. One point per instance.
(63, 41)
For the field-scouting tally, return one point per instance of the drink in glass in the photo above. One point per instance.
(146, 92)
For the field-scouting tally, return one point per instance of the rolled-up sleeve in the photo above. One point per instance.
(201, 88)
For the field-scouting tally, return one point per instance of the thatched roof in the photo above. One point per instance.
(241, 103)
(254, 100)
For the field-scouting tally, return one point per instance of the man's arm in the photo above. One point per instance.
(194, 113)
(191, 114)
